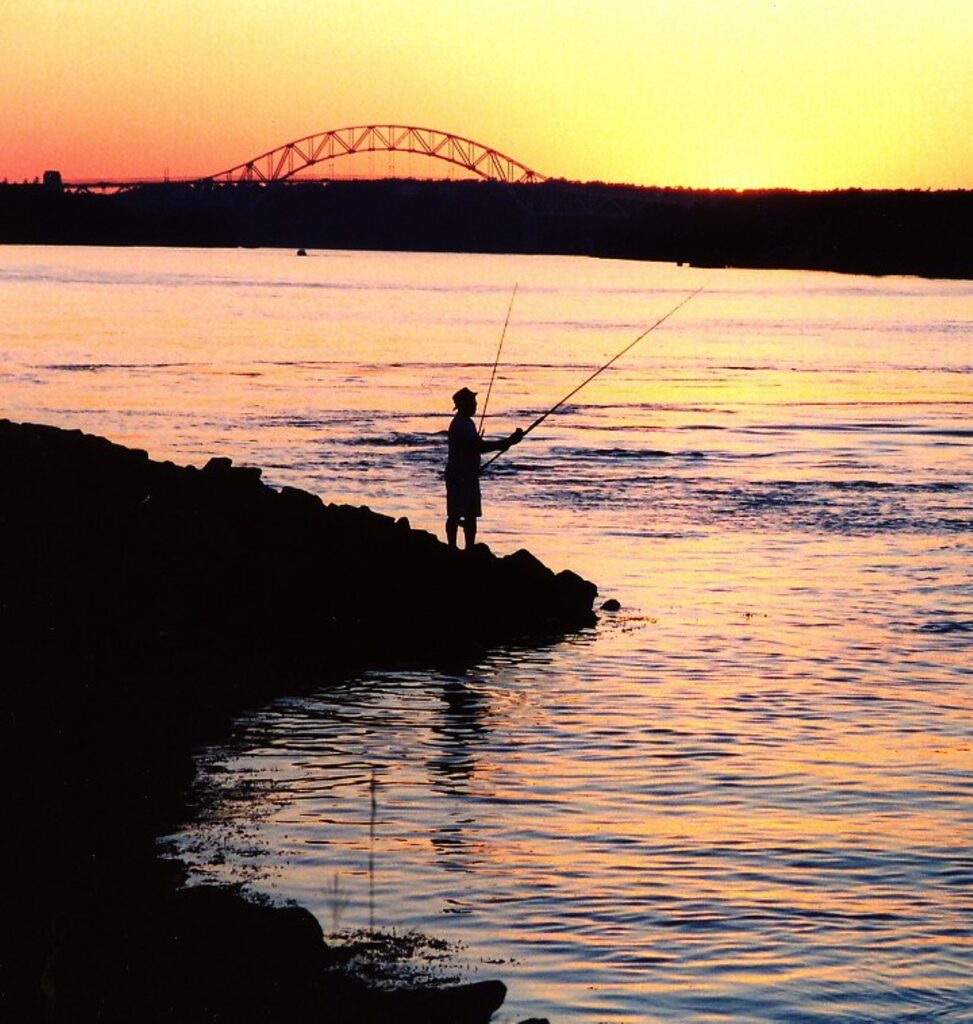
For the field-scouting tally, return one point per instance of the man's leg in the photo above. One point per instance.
(452, 525)
(469, 531)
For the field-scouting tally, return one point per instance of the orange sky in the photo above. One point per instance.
(710, 93)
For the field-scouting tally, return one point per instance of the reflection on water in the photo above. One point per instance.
(746, 796)
(639, 832)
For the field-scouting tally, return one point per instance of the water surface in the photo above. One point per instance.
(746, 796)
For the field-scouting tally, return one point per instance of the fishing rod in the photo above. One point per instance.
(496, 362)
(601, 369)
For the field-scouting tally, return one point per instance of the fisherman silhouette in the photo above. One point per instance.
(463, 468)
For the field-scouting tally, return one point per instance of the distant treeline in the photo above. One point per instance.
(858, 231)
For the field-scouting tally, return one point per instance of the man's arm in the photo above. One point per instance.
(503, 444)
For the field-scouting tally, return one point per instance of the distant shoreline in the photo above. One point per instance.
(919, 233)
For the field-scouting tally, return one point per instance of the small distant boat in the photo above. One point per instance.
(302, 252)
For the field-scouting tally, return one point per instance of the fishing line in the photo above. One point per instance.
(496, 362)
(601, 369)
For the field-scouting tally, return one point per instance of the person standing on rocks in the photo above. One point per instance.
(463, 468)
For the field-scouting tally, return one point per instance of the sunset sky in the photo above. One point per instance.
(810, 94)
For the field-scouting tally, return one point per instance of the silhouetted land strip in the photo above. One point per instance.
(142, 604)
(870, 232)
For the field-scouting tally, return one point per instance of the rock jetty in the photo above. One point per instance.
(142, 604)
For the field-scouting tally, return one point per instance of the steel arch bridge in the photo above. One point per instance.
(293, 157)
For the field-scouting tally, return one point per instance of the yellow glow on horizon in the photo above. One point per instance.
(703, 93)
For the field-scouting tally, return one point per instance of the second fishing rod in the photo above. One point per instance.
(601, 369)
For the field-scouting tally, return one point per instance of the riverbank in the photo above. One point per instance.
(852, 231)
(142, 604)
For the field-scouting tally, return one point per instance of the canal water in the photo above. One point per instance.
(745, 796)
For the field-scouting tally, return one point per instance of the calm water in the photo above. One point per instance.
(745, 797)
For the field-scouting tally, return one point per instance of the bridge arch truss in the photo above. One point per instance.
(293, 157)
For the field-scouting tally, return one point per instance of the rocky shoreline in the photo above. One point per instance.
(141, 605)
